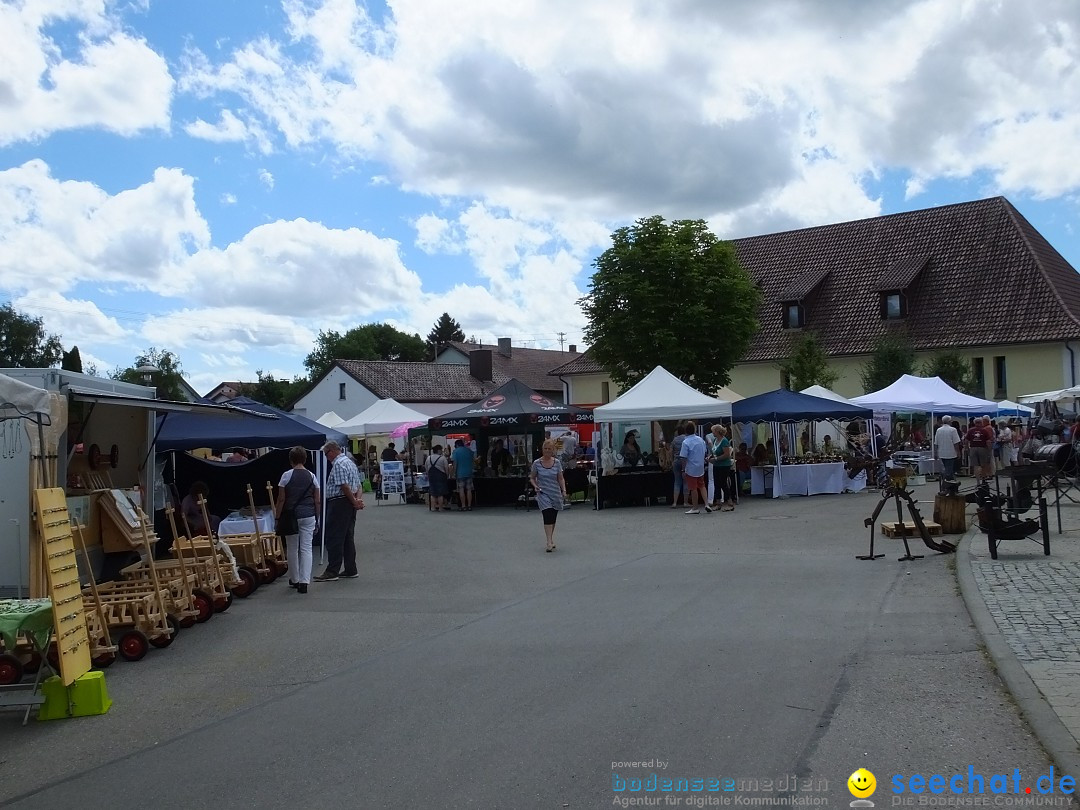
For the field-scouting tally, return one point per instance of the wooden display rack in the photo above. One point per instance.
(62, 571)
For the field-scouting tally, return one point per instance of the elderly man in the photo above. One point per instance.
(947, 444)
(980, 441)
(344, 497)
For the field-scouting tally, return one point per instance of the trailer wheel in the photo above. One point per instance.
(103, 661)
(11, 669)
(249, 581)
(133, 645)
(203, 605)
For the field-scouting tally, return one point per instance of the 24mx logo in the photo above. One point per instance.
(446, 423)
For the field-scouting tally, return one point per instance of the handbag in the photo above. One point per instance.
(288, 523)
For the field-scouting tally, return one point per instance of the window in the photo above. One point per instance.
(794, 315)
(978, 373)
(999, 378)
(341, 391)
(605, 391)
(893, 305)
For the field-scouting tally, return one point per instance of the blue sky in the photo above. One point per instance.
(224, 180)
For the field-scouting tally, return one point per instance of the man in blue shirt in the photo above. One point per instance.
(462, 459)
(692, 453)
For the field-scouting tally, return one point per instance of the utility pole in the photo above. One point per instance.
(562, 339)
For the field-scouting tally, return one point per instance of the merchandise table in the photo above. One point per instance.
(800, 479)
(634, 487)
(34, 619)
(237, 523)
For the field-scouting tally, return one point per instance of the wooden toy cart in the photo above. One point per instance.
(102, 650)
(275, 543)
(238, 559)
(250, 549)
(212, 574)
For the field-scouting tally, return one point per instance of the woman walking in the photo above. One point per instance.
(298, 499)
(546, 478)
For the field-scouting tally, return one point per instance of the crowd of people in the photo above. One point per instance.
(980, 447)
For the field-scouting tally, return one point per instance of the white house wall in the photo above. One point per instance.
(325, 396)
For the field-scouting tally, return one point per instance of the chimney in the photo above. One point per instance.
(504, 347)
(573, 348)
(480, 364)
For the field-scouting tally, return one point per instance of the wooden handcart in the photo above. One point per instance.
(213, 573)
(239, 558)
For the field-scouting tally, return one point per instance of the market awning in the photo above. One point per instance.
(159, 405)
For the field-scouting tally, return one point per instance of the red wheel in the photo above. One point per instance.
(249, 581)
(165, 639)
(268, 575)
(281, 567)
(203, 605)
(11, 669)
(223, 603)
(103, 661)
(133, 645)
(187, 621)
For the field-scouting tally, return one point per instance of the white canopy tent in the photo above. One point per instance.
(926, 394)
(380, 417)
(330, 419)
(827, 427)
(1061, 395)
(662, 395)
(1009, 408)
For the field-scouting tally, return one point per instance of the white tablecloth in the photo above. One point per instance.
(800, 479)
(236, 523)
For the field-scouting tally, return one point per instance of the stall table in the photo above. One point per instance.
(33, 618)
(643, 486)
(236, 523)
(800, 479)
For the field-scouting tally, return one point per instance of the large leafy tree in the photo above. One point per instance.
(670, 293)
(373, 341)
(24, 343)
(808, 364)
(445, 330)
(953, 369)
(893, 356)
(168, 379)
(271, 391)
(72, 360)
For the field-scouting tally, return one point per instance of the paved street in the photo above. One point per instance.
(467, 668)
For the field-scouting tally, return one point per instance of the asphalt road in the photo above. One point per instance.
(467, 668)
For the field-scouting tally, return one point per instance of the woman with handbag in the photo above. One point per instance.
(296, 512)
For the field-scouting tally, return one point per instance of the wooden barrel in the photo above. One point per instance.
(949, 511)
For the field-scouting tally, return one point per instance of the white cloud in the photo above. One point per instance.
(112, 81)
(228, 199)
(229, 129)
(434, 235)
(70, 231)
(266, 178)
(76, 321)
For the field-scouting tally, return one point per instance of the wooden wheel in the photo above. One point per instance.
(133, 645)
(11, 669)
(249, 581)
(203, 605)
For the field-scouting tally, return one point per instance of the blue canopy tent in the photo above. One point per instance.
(265, 427)
(784, 407)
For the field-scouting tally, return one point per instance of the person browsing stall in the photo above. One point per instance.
(344, 497)
(463, 461)
(298, 494)
(693, 454)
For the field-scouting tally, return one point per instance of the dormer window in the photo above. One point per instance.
(794, 315)
(893, 305)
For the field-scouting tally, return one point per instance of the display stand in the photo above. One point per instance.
(23, 621)
(391, 480)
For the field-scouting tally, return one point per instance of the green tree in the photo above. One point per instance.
(953, 369)
(445, 330)
(670, 294)
(892, 357)
(72, 360)
(167, 379)
(271, 391)
(808, 364)
(373, 341)
(24, 343)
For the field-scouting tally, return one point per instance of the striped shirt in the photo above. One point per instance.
(343, 471)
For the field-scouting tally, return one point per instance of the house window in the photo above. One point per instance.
(341, 391)
(978, 372)
(999, 378)
(605, 391)
(893, 305)
(794, 315)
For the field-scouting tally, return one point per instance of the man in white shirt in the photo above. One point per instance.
(947, 445)
(693, 455)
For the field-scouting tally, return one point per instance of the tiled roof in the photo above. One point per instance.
(420, 382)
(582, 364)
(902, 273)
(802, 285)
(990, 278)
(531, 366)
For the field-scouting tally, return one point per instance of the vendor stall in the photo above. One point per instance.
(781, 477)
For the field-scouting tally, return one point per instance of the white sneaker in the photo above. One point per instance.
(693, 512)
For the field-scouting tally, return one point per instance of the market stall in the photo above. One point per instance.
(812, 475)
(508, 426)
(660, 395)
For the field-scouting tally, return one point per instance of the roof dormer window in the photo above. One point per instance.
(794, 315)
(893, 305)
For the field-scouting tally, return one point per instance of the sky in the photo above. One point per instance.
(224, 179)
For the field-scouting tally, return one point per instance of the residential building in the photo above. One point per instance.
(224, 391)
(585, 382)
(530, 366)
(350, 386)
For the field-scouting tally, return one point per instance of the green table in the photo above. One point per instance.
(30, 616)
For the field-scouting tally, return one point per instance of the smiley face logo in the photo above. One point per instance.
(862, 784)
